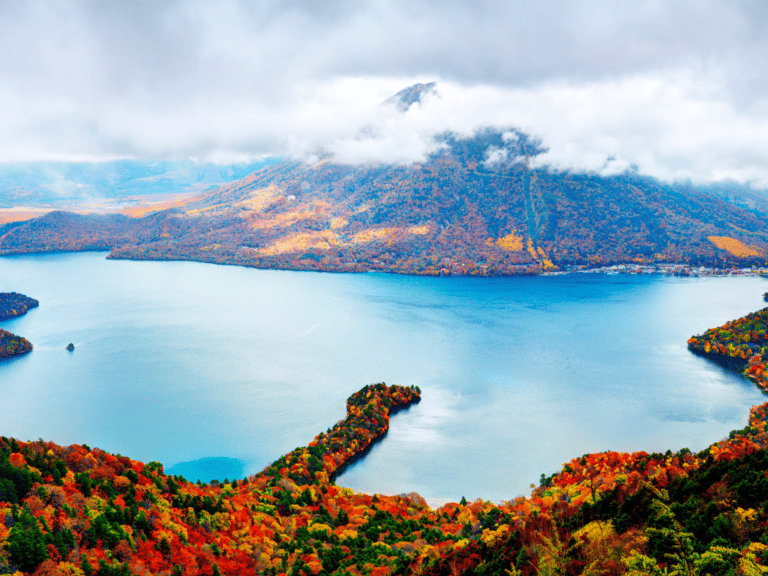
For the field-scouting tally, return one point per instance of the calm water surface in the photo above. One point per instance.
(217, 371)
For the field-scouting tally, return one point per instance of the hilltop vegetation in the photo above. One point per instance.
(478, 205)
(76, 510)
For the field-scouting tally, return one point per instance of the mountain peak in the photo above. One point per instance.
(410, 95)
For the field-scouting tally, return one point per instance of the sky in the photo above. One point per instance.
(675, 89)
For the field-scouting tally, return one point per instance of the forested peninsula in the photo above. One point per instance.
(76, 510)
(13, 345)
(12, 305)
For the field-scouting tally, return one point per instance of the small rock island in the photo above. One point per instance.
(70, 346)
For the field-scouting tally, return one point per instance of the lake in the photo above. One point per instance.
(216, 371)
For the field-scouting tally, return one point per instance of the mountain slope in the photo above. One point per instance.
(476, 206)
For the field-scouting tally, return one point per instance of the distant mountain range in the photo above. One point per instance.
(478, 205)
(72, 183)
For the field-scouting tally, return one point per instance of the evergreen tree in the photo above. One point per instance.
(26, 544)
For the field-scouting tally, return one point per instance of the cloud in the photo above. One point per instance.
(676, 89)
(673, 126)
(495, 155)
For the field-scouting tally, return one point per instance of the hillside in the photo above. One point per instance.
(477, 206)
(76, 510)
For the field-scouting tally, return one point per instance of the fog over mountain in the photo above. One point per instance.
(676, 90)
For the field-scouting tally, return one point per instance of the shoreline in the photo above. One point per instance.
(681, 270)
(97, 509)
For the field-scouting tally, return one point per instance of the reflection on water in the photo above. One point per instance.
(211, 365)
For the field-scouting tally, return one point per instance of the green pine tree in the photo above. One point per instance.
(26, 544)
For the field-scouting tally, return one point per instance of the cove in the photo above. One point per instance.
(231, 367)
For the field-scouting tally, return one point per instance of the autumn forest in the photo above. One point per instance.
(479, 205)
(79, 510)
(11, 306)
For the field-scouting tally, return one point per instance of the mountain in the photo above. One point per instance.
(478, 205)
(411, 95)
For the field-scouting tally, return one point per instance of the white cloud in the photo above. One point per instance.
(673, 126)
(495, 155)
(676, 89)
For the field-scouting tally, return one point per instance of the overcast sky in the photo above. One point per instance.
(677, 88)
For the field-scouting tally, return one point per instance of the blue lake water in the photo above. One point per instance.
(217, 371)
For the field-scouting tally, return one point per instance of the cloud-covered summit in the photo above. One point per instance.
(411, 95)
(676, 89)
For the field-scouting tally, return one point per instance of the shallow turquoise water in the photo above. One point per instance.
(218, 370)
